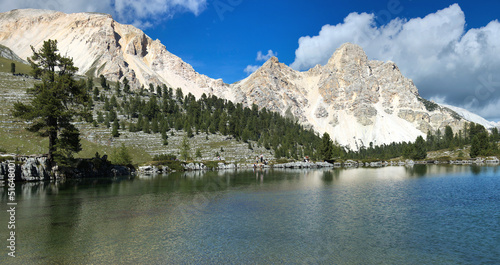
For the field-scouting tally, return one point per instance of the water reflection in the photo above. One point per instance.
(356, 215)
(214, 181)
(416, 170)
(475, 169)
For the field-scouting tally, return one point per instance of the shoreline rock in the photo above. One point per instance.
(35, 168)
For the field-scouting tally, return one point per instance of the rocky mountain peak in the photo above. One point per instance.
(101, 46)
(273, 64)
(347, 55)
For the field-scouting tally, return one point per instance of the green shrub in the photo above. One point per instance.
(172, 164)
(211, 164)
(121, 156)
(164, 157)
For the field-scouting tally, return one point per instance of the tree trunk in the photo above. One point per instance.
(52, 122)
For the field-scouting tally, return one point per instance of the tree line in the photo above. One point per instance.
(162, 109)
(59, 98)
(481, 142)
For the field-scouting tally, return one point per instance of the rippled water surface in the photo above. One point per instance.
(393, 215)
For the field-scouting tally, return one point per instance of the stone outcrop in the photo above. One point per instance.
(28, 169)
(35, 168)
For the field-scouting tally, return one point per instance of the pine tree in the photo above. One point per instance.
(164, 136)
(96, 94)
(185, 148)
(475, 148)
(115, 132)
(154, 126)
(56, 101)
(107, 121)
(495, 136)
(420, 149)
(100, 118)
(448, 136)
(118, 88)
(103, 82)
(13, 68)
(145, 126)
(113, 103)
(326, 147)
(121, 156)
(158, 91)
(126, 86)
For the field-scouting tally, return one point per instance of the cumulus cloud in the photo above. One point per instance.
(260, 57)
(142, 14)
(265, 57)
(446, 62)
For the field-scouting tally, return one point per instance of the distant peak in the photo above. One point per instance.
(273, 59)
(349, 45)
(348, 52)
(271, 62)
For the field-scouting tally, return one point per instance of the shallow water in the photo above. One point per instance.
(394, 215)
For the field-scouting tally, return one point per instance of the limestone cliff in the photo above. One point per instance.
(355, 100)
(100, 45)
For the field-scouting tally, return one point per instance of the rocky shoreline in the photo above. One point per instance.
(36, 168)
(298, 165)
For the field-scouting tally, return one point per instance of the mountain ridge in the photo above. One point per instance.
(100, 45)
(356, 100)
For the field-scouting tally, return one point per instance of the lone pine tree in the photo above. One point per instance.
(55, 102)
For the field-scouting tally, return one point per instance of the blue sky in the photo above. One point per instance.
(451, 49)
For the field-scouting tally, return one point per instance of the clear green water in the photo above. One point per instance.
(393, 215)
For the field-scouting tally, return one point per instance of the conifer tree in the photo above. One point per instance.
(103, 82)
(420, 149)
(185, 148)
(115, 132)
(57, 99)
(126, 86)
(118, 88)
(326, 147)
(475, 148)
(100, 118)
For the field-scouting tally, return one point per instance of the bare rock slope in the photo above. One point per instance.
(100, 45)
(355, 100)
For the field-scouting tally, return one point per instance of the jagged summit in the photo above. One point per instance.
(356, 100)
(273, 60)
(348, 53)
(100, 45)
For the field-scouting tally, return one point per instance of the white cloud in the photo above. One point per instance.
(445, 61)
(262, 57)
(139, 13)
(250, 69)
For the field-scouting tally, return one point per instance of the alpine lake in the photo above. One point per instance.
(423, 214)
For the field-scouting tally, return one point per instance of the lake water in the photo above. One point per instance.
(394, 215)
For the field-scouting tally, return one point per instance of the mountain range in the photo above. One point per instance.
(356, 100)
